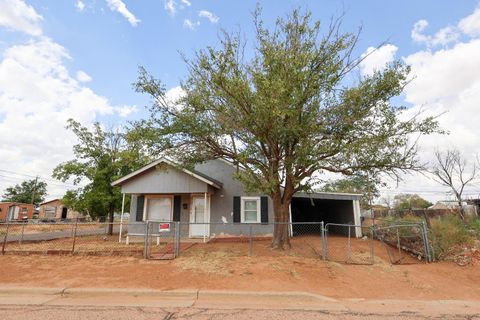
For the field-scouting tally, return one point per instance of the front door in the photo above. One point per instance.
(199, 217)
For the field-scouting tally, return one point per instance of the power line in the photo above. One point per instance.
(58, 184)
(33, 176)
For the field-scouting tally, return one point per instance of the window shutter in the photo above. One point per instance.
(140, 204)
(264, 209)
(236, 209)
(176, 207)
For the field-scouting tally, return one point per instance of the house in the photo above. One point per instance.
(55, 209)
(164, 191)
(15, 211)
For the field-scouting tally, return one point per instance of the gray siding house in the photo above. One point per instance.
(209, 202)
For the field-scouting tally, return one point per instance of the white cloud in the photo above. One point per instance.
(186, 3)
(80, 5)
(189, 24)
(18, 16)
(471, 24)
(82, 76)
(376, 59)
(125, 111)
(173, 96)
(120, 7)
(442, 37)
(37, 96)
(171, 7)
(209, 15)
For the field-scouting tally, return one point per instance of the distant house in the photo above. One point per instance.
(15, 211)
(208, 193)
(55, 209)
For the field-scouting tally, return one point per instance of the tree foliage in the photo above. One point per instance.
(100, 158)
(24, 191)
(285, 109)
(358, 183)
(407, 201)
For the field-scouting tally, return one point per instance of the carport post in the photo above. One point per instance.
(121, 219)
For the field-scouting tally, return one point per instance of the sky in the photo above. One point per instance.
(78, 59)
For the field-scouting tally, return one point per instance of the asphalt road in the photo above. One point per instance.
(11, 312)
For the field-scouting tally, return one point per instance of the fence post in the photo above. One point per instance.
(372, 248)
(426, 244)
(348, 249)
(23, 230)
(74, 236)
(322, 232)
(325, 231)
(177, 238)
(250, 246)
(145, 242)
(5, 238)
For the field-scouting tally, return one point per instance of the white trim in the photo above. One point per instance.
(208, 197)
(242, 209)
(356, 217)
(169, 162)
(156, 196)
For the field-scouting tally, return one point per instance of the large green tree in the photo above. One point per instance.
(26, 191)
(285, 109)
(100, 158)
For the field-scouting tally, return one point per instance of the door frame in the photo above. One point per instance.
(207, 214)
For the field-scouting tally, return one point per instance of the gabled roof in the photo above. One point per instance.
(198, 175)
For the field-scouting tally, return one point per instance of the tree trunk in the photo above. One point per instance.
(110, 220)
(281, 239)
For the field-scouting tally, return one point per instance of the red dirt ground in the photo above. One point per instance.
(227, 266)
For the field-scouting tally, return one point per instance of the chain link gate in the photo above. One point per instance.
(405, 243)
(161, 240)
(350, 249)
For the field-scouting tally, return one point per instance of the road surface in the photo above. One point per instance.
(9, 312)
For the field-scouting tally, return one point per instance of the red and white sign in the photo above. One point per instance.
(164, 227)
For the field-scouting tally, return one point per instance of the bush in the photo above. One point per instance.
(474, 224)
(448, 235)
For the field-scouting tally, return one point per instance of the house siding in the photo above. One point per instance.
(169, 181)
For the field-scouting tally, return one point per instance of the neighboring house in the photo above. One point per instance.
(163, 191)
(55, 209)
(15, 211)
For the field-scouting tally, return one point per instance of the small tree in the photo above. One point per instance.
(100, 158)
(27, 191)
(285, 114)
(455, 172)
(407, 201)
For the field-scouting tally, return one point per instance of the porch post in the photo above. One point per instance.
(204, 218)
(121, 219)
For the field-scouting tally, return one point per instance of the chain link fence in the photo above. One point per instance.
(343, 243)
(100, 238)
(254, 240)
(348, 243)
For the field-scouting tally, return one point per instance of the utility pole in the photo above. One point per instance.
(34, 189)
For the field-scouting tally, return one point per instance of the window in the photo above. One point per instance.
(159, 208)
(24, 210)
(250, 210)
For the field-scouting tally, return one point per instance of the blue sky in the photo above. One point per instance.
(44, 44)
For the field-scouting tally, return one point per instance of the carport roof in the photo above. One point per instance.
(328, 195)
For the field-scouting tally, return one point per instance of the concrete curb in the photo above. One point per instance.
(225, 299)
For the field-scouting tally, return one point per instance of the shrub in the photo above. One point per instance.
(448, 235)
(474, 224)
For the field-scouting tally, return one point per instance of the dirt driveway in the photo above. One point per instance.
(205, 269)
